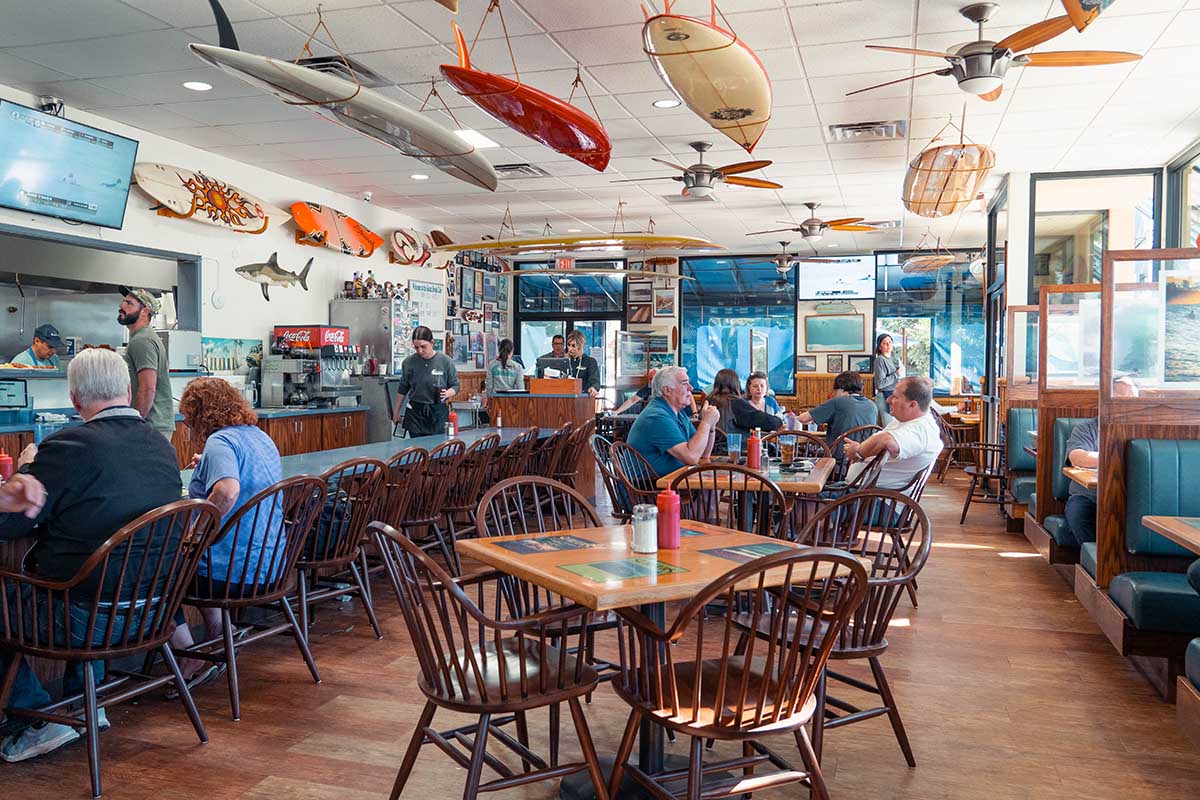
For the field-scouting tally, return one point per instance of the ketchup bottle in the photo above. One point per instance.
(668, 520)
(754, 450)
(6, 466)
(453, 420)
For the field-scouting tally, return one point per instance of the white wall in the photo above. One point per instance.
(245, 313)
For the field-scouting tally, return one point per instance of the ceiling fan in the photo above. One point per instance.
(813, 229)
(979, 67)
(700, 179)
(785, 260)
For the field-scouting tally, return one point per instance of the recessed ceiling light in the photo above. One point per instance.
(666, 102)
(476, 138)
(197, 86)
(419, 177)
(574, 230)
(1123, 134)
(831, 245)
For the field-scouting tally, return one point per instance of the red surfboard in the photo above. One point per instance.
(540, 116)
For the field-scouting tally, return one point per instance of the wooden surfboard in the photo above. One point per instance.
(712, 72)
(185, 194)
(322, 226)
(635, 274)
(361, 109)
(1085, 12)
(538, 115)
(629, 241)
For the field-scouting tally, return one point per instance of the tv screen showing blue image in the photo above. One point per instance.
(53, 166)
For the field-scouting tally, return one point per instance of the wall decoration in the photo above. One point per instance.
(641, 292)
(461, 353)
(542, 117)
(185, 194)
(860, 364)
(1182, 291)
(502, 294)
(660, 360)
(684, 50)
(640, 313)
(427, 302)
(478, 275)
(806, 363)
(329, 96)
(490, 347)
(468, 288)
(410, 247)
(833, 363)
(479, 363)
(664, 302)
(230, 355)
(489, 313)
(834, 332)
(476, 341)
(659, 344)
(322, 226)
(269, 273)
(491, 287)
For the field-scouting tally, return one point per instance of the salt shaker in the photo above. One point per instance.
(645, 528)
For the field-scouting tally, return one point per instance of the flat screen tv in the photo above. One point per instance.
(837, 279)
(53, 166)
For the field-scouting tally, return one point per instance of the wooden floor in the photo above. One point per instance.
(1007, 688)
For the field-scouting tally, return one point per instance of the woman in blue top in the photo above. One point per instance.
(238, 462)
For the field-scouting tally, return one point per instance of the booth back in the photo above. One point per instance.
(1063, 427)
(1020, 422)
(1158, 481)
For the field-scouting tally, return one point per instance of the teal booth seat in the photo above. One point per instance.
(1192, 663)
(1087, 558)
(1056, 524)
(1157, 601)
(1022, 467)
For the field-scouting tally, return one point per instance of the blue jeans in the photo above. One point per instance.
(28, 691)
(1081, 518)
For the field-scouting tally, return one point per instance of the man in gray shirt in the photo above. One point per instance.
(147, 359)
(845, 410)
(1083, 446)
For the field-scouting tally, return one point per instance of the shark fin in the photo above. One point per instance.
(304, 275)
(273, 260)
(225, 35)
(266, 296)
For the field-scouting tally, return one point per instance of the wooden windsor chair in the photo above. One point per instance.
(422, 520)
(732, 496)
(637, 477)
(859, 434)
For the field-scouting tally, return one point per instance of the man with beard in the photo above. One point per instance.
(147, 360)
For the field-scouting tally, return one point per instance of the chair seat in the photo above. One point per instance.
(1060, 532)
(1157, 601)
(1087, 558)
(1192, 662)
(462, 692)
(710, 683)
(1022, 488)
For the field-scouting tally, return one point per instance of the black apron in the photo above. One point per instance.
(426, 419)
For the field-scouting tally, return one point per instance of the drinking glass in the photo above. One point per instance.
(733, 443)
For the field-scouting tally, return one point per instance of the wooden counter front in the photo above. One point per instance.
(550, 411)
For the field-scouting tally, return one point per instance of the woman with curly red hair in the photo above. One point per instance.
(238, 462)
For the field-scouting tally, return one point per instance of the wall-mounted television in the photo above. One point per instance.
(838, 278)
(59, 168)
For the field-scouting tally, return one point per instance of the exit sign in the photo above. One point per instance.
(564, 262)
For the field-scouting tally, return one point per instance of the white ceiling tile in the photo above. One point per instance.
(437, 22)
(132, 54)
(47, 21)
(630, 76)
(149, 118)
(357, 30)
(556, 15)
(761, 30)
(595, 46)
(854, 20)
(190, 14)
(285, 7)
(237, 110)
(273, 37)
(534, 53)
(19, 73)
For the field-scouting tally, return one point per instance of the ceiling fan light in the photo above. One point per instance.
(981, 85)
(698, 191)
(814, 237)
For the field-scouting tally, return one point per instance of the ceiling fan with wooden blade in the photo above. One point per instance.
(700, 179)
(813, 229)
(979, 67)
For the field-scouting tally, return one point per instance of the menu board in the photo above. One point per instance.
(428, 304)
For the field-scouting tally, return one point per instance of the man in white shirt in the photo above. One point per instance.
(912, 440)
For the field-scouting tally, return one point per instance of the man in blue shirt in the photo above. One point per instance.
(43, 351)
(663, 434)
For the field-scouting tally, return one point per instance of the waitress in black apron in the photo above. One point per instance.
(429, 380)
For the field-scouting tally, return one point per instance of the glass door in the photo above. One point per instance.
(601, 337)
(535, 339)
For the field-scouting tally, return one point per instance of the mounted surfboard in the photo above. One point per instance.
(450, 4)
(361, 109)
(712, 72)
(322, 226)
(564, 244)
(532, 112)
(635, 274)
(410, 247)
(1085, 12)
(184, 194)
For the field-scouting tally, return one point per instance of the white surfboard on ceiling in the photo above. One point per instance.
(360, 109)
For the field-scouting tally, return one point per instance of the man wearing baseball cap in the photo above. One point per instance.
(43, 351)
(146, 356)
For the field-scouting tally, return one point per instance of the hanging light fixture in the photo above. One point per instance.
(944, 179)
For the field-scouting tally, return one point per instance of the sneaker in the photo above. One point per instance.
(102, 723)
(36, 741)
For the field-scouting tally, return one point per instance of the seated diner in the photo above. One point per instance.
(738, 414)
(663, 434)
(911, 440)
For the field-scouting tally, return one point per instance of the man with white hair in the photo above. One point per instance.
(663, 433)
(74, 492)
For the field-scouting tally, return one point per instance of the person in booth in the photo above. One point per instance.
(912, 440)
(558, 349)
(44, 350)
(663, 433)
(1083, 451)
(429, 381)
(580, 365)
(82, 485)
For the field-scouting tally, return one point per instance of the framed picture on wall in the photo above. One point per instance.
(491, 287)
(664, 302)
(834, 333)
(806, 363)
(479, 361)
(641, 291)
(640, 313)
(468, 288)
(860, 364)
(834, 363)
(479, 291)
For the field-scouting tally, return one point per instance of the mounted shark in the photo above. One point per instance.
(269, 273)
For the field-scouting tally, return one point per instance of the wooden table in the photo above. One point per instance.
(1087, 478)
(592, 576)
(1183, 531)
(967, 418)
(788, 482)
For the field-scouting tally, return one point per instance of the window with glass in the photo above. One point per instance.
(1190, 184)
(936, 318)
(738, 312)
(1077, 218)
(571, 294)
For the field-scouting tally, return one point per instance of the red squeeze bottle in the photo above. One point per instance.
(754, 450)
(454, 420)
(6, 466)
(668, 520)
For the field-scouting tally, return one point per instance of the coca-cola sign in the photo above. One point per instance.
(312, 335)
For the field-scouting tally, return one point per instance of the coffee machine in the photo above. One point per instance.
(311, 365)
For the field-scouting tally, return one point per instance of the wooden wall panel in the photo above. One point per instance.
(524, 411)
(1055, 403)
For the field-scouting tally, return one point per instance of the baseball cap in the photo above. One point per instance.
(49, 334)
(143, 296)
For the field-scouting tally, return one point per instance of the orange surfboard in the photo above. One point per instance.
(322, 226)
